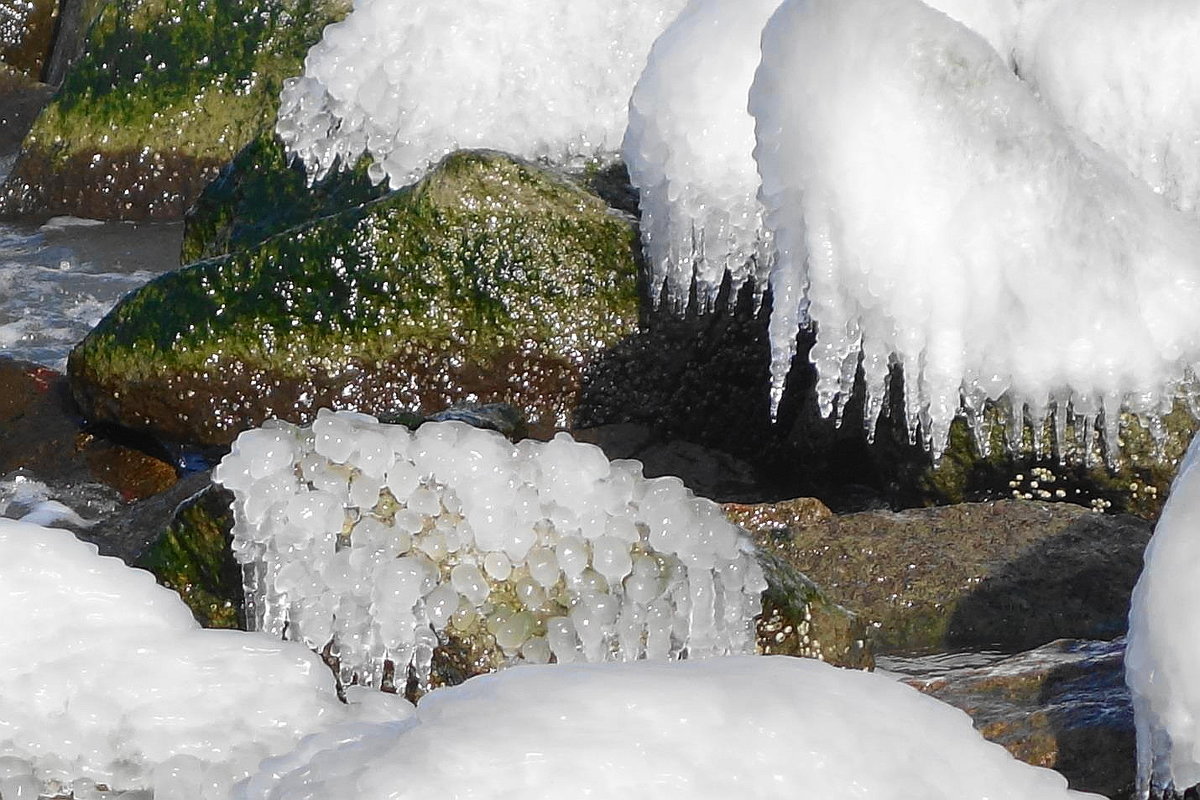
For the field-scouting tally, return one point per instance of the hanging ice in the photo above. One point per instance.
(381, 540)
(1126, 73)
(689, 149)
(1164, 641)
(407, 81)
(927, 209)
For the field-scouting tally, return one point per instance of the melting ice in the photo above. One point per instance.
(382, 540)
(407, 81)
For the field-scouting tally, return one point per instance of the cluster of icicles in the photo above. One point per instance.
(380, 542)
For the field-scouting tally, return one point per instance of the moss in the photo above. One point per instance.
(193, 557)
(486, 259)
(176, 79)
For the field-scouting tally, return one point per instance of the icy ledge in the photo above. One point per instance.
(384, 543)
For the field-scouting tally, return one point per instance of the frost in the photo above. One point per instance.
(408, 81)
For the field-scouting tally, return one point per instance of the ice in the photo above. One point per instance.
(407, 81)
(1164, 642)
(1127, 74)
(929, 211)
(105, 678)
(701, 730)
(468, 535)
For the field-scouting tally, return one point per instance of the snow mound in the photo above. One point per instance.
(768, 726)
(408, 81)
(105, 678)
(381, 540)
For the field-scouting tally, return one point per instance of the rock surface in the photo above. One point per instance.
(1010, 574)
(489, 281)
(1064, 705)
(164, 94)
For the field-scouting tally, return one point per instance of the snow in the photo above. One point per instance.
(1164, 643)
(105, 678)
(380, 540)
(664, 730)
(408, 81)
(929, 211)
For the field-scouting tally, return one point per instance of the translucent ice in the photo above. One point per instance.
(929, 211)
(700, 730)
(407, 81)
(1164, 641)
(545, 547)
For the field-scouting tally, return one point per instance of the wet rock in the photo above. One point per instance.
(491, 280)
(261, 193)
(1006, 574)
(1064, 705)
(164, 94)
(27, 35)
(21, 99)
(41, 434)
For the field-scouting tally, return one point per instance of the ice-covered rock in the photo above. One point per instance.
(1126, 73)
(1164, 642)
(407, 82)
(385, 542)
(930, 212)
(701, 730)
(105, 678)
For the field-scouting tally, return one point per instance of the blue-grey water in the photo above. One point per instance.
(58, 279)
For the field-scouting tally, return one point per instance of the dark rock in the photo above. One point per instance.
(27, 35)
(21, 99)
(164, 94)
(489, 281)
(1064, 706)
(41, 433)
(1007, 574)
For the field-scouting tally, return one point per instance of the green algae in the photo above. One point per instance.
(193, 557)
(485, 258)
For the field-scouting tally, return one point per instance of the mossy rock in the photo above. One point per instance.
(261, 193)
(165, 93)
(491, 280)
(193, 557)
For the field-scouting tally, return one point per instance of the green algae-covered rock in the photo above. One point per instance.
(165, 93)
(489, 281)
(193, 557)
(261, 193)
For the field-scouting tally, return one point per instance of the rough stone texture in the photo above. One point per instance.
(1064, 705)
(21, 99)
(41, 435)
(27, 35)
(1007, 574)
(165, 93)
(489, 281)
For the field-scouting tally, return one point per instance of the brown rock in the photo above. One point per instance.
(1009, 574)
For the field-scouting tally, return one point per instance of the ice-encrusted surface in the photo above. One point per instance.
(769, 726)
(408, 81)
(380, 540)
(929, 210)
(105, 678)
(1164, 641)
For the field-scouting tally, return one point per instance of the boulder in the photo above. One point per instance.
(27, 35)
(1010, 574)
(1063, 705)
(491, 280)
(164, 93)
